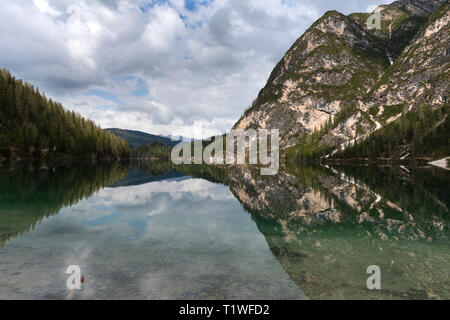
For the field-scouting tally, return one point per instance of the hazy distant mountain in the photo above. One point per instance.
(342, 83)
(177, 138)
(138, 138)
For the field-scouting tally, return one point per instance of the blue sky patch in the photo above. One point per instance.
(140, 92)
(146, 6)
(142, 89)
(103, 94)
(192, 5)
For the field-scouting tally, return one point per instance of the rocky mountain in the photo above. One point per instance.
(341, 80)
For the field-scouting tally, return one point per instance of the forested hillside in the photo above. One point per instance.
(155, 150)
(415, 134)
(34, 127)
(424, 133)
(138, 138)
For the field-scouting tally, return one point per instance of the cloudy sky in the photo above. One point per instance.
(183, 67)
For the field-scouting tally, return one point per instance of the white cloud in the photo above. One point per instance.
(43, 6)
(164, 26)
(148, 200)
(169, 69)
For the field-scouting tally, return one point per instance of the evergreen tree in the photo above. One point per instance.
(32, 126)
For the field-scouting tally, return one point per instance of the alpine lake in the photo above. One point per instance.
(152, 230)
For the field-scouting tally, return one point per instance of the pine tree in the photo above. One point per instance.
(31, 123)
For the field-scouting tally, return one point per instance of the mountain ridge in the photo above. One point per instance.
(139, 138)
(325, 90)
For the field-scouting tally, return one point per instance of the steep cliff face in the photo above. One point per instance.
(418, 7)
(414, 86)
(334, 64)
(340, 77)
(420, 75)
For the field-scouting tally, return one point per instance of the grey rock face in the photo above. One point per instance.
(419, 7)
(420, 75)
(339, 69)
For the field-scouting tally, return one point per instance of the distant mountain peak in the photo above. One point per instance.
(342, 80)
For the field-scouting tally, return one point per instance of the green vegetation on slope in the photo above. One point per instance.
(308, 146)
(155, 149)
(32, 126)
(138, 138)
(422, 133)
(419, 134)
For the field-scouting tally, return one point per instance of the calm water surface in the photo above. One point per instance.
(153, 231)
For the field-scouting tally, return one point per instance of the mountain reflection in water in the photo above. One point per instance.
(327, 225)
(323, 225)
